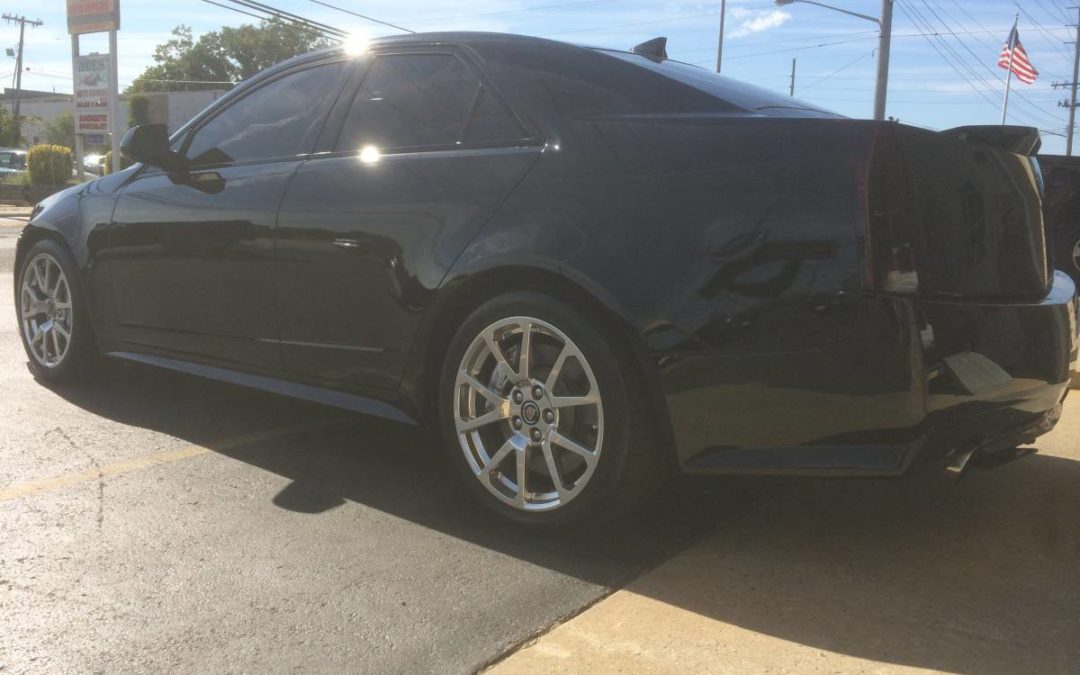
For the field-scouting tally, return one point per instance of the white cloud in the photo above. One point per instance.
(751, 21)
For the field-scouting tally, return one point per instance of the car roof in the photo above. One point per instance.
(457, 37)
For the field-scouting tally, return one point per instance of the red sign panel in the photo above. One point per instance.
(93, 16)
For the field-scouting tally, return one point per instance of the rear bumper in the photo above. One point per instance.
(917, 380)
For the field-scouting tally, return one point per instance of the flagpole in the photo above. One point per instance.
(1008, 77)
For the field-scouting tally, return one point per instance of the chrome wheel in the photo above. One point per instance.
(528, 414)
(45, 309)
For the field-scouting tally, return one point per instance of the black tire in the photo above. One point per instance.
(627, 468)
(82, 352)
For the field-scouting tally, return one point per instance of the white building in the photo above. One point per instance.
(37, 108)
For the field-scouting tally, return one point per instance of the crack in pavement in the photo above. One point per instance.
(97, 466)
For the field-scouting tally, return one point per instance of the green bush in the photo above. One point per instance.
(107, 167)
(138, 110)
(49, 164)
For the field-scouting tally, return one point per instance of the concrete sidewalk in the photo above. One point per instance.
(14, 216)
(858, 576)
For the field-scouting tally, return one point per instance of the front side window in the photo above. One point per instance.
(424, 101)
(279, 119)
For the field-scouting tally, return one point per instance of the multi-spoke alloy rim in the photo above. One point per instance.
(45, 310)
(531, 431)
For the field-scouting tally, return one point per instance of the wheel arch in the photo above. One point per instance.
(463, 293)
(32, 234)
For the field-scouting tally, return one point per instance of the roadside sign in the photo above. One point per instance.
(93, 16)
(92, 94)
(97, 96)
(94, 139)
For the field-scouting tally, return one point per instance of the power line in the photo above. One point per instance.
(636, 23)
(296, 18)
(838, 70)
(271, 13)
(1038, 26)
(915, 15)
(363, 16)
(234, 9)
(540, 9)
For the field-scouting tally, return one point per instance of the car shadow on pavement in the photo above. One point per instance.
(342, 456)
(982, 576)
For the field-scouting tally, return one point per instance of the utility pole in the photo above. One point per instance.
(720, 45)
(1072, 100)
(884, 22)
(884, 45)
(22, 21)
(792, 78)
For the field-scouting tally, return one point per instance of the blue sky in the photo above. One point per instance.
(937, 82)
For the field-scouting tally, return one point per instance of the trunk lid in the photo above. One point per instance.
(956, 214)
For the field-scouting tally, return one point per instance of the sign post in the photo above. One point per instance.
(79, 148)
(97, 90)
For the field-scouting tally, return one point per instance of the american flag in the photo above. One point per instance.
(1015, 56)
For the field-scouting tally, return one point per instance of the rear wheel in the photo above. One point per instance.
(543, 414)
(53, 324)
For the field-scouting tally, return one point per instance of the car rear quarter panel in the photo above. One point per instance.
(730, 248)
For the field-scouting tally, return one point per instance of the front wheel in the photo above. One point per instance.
(53, 322)
(544, 415)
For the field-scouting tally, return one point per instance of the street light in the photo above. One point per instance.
(885, 41)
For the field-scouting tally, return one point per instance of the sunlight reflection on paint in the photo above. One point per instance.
(369, 154)
(356, 44)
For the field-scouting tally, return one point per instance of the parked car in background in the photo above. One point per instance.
(12, 160)
(584, 266)
(1061, 209)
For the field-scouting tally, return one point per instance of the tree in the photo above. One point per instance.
(229, 55)
(8, 134)
(61, 131)
(138, 110)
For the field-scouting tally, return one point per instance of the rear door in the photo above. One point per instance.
(418, 155)
(190, 253)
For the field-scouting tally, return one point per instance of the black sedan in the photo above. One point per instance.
(588, 267)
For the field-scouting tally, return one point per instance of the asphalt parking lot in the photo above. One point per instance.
(155, 522)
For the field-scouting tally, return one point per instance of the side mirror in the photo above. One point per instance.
(149, 144)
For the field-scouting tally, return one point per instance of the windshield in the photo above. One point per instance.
(745, 96)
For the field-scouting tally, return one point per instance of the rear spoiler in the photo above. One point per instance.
(1019, 140)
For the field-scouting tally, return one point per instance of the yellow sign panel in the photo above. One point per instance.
(93, 16)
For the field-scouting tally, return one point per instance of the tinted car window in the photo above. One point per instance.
(424, 100)
(491, 121)
(279, 119)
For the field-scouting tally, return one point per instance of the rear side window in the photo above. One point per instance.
(279, 119)
(411, 101)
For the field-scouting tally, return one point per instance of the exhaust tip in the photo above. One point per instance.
(958, 461)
